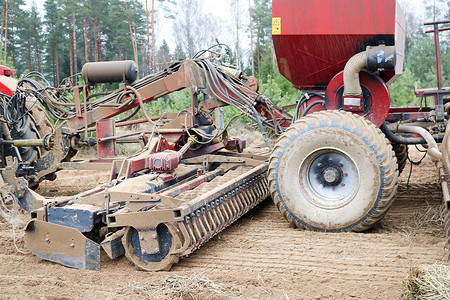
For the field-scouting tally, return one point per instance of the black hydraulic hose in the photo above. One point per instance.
(322, 102)
(394, 138)
(261, 128)
(130, 116)
(302, 100)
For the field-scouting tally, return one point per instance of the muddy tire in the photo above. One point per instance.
(333, 171)
(401, 153)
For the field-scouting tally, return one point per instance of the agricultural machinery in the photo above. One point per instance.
(334, 167)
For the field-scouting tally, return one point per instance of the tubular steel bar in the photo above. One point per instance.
(438, 96)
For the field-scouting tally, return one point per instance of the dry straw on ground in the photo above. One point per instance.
(431, 282)
(424, 221)
(186, 287)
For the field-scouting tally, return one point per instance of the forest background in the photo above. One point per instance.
(59, 36)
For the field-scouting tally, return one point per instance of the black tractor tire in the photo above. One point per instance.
(34, 125)
(333, 171)
(401, 153)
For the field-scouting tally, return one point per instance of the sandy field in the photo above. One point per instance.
(259, 257)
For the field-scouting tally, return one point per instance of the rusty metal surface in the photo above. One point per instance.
(105, 147)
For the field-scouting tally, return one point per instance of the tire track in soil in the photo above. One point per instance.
(262, 255)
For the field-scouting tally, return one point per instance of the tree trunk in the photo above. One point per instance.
(259, 59)
(149, 66)
(1, 32)
(90, 43)
(132, 36)
(237, 23)
(70, 46)
(132, 41)
(153, 33)
(57, 63)
(36, 64)
(119, 54)
(274, 60)
(29, 56)
(135, 48)
(85, 42)
(53, 69)
(96, 39)
(74, 35)
(6, 31)
(251, 37)
(99, 39)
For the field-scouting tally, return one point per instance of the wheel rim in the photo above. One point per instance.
(329, 177)
(162, 260)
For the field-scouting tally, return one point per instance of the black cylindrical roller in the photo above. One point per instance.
(110, 71)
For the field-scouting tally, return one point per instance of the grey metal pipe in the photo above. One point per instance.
(433, 149)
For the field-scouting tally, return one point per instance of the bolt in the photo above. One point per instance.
(330, 160)
(72, 245)
(142, 239)
(341, 164)
(346, 174)
(155, 235)
(333, 189)
(317, 176)
(47, 240)
(331, 175)
(343, 184)
(320, 165)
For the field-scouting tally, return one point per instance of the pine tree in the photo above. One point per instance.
(163, 55)
(54, 37)
(261, 23)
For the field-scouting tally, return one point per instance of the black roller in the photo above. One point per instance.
(111, 71)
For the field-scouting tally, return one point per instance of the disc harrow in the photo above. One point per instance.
(222, 206)
(154, 227)
(206, 211)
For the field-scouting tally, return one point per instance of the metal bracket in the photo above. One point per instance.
(148, 239)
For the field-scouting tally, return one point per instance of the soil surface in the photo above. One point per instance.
(259, 257)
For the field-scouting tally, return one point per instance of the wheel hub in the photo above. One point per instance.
(332, 176)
